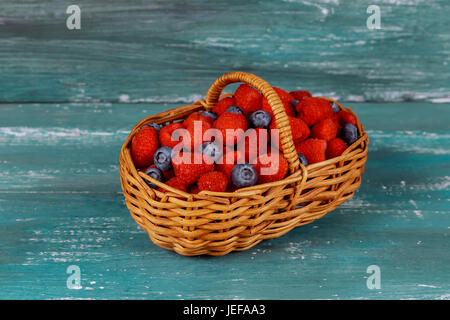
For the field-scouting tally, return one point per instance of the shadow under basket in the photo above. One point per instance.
(216, 223)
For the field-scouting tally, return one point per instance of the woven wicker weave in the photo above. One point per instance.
(216, 223)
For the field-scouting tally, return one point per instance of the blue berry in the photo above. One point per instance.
(210, 114)
(244, 175)
(302, 159)
(163, 158)
(349, 133)
(154, 125)
(260, 119)
(212, 150)
(294, 103)
(156, 174)
(235, 109)
(335, 107)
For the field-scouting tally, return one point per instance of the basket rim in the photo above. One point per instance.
(301, 174)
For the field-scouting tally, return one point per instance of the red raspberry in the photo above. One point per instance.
(174, 183)
(271, 167)
(335, 148)
(234, 121)
(312, 110)
(335, 119)
(300, 94)
(226, 163)
(247, 98)
(223, 105)
(283, 94)
(167, 174)
(285, 97)
(287, 107)
(196, 135)
(313, 149)
(213, 181)
(196, 116)
(143, 146)
(325, 130)
(300, 131)
(165, 135)
(253, 143)
(345, 117)
(188, 167)
(194, 189)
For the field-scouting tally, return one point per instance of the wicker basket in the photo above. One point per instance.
(216, 223)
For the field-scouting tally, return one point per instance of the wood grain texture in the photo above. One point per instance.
(143, 50)
(61, 205)
(69, 98)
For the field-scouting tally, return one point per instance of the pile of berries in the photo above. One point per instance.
(236, 144)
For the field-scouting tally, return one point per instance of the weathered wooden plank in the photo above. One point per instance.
(172, 50)
(43, 234)
(61, 205)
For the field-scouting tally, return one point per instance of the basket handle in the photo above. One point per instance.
(281, 118)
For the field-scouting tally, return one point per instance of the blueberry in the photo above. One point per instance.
(156, 174)
(235, 109)
(335, 107)
(349, 133)
(154, 125)
(163, 158)
(260, 119)
(244, 175)
(210, 114)
(294, 103)
(302, 159)
(212, 150)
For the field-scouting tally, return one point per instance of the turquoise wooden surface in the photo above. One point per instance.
(69, 98)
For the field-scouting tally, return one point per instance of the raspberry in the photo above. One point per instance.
(300, 94)
(213, 181)
(194, 189)
(312, 110)
(271, 167)
(285, 97)
(228, 161)
(313, 149)
(212, 115)
(345, 117)
(234, 121)
(325, 130)
(299, 130)
(197, 116)
(165, 135)
(174, 183)
(335, 119)
(254, 143)
(247, 98)
(287, 107)
(143, 146)
(187, 170)
(223, 105)
(335, 148)
(196, 135)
